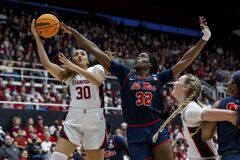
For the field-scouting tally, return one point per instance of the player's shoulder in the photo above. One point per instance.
(96, 67)
(192, 104)
(227, 100)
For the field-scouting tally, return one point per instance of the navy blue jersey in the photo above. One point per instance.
(115, 148)
(140, 97)
(228, 134)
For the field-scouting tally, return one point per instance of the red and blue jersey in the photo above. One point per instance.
(115, 148)
(141, 102)
(228, 134)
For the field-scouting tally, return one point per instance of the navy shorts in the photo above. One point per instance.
(140, 140)
(231, 157)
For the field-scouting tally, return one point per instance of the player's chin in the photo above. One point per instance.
(79, 64)
(174, 93)
(138, 65)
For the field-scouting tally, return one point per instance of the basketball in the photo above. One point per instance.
(47, 25)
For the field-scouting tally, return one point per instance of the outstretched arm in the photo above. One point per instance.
(191, 54)
(219, 115)
(193, 113)
(95, 78)
(89, 46)
(52, 68)
(208, 128)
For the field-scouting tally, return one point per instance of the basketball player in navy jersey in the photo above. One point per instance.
(116, 145)
(140, 92)
(228, 134)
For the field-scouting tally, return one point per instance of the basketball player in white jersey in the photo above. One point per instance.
(187, 90)
(85, 122)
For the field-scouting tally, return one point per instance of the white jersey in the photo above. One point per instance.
(83, 94)
(197, 148)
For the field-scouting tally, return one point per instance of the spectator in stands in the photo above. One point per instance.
(7, 97)
(228, 142)
(56, 125)
(39, 127)
(31, 132)
(35, 149)
(116, 145)
(124, 128)
(24, 155)
(12, 73)
(85, 86)
(49, 154)
(36, 74)
(56, 135)
(140, 94)
(20, 140)
(10, 84)
(30, 122)
(2, 135)
(187, 90)
(17, 129)
(17, 105)
(9, 151)
(46, 144)
(44, 88)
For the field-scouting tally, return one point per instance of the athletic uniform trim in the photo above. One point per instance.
(144, 125)
(202, 147)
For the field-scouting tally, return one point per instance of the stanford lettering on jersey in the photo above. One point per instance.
(74, 82)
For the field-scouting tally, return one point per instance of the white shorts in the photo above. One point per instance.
(86, 127)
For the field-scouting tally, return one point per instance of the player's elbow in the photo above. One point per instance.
(98, 82)
(206, 136)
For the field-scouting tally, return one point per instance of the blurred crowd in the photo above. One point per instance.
(17, 44)
(32, 140)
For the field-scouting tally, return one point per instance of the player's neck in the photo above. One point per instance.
(181, 99)
(143, 73)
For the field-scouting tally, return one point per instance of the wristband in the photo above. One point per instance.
(206, 34)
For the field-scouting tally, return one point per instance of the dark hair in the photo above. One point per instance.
(153, 60)
(236, 80)
(67, 73)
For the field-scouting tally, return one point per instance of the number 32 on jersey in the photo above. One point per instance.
(143, 98)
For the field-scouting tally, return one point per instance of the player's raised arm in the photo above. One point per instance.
(89, 46)
(191, 54)
(54, 69)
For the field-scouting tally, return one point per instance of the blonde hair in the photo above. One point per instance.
(194, 91)
(15, 119)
